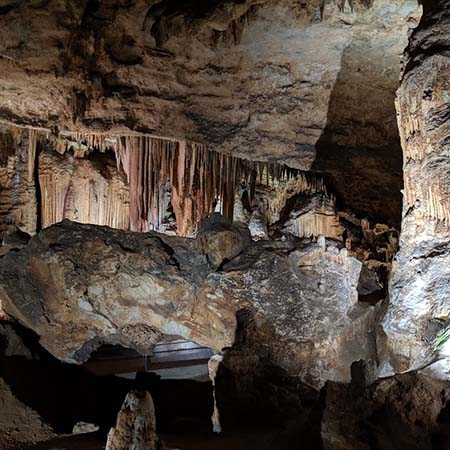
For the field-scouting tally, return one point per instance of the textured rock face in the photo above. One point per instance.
(136, 426)
(85, 190)
(19, 424)
(406, 411)
(17, 188)
(82, 285)
(221, 241)
(280, 80)
(419, 287)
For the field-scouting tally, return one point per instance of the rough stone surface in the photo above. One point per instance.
(406, 411)
(280, 80)
(420, 283)
(19, 424)
(81, 285)
(17, 188)
(136, 425)
(221, 241)
(87, 190)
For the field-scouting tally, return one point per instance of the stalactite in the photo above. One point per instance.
(31, 156)
(74, 189)
(189, 177)
(199, 179)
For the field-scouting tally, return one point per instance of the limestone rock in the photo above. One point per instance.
(82, 285)
(220, 240)
(136, 426)
(419, 287)
(313, 216)
(405, 411)
(84, 427)
(87, 190)
(17, 188)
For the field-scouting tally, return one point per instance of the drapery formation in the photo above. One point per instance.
(153, 183)
(199, 181)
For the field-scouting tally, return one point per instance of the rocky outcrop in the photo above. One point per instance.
(136, 425)
(19, 424)
(18, 204)
(413, 329)
(308, 83)
(406, 411)
(221, 241)
(82, 285)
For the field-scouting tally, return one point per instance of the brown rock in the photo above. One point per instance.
(19, 424)
(236, 76)
(81, 285)
(220, 240)
(419, 287)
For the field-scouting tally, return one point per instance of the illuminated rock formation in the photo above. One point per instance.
(420, 283)
(81, 285)
(136, 425)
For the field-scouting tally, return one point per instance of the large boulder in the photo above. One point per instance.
(220, 240)
(78, 286)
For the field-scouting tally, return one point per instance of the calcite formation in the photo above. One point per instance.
(136, 425)
(82, 285)
(419, 305)
(18, 204)
(158, 184)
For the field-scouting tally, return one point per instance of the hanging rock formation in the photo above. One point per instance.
(82, 285)
(278, 80)
(419, 306)
(84, 190)
(18, 205)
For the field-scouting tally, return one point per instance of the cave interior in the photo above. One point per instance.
(224, 224)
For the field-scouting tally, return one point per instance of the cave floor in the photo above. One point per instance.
(243, 440)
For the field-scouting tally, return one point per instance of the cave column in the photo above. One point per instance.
(419, 307)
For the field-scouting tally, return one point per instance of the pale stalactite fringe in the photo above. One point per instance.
(32, 144)
(160, 172)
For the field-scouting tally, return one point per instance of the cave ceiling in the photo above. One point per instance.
(307, 83)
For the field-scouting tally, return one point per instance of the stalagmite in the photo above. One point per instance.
(135, 428)
(213, 367)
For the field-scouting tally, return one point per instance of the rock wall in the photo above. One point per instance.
(18, 204)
